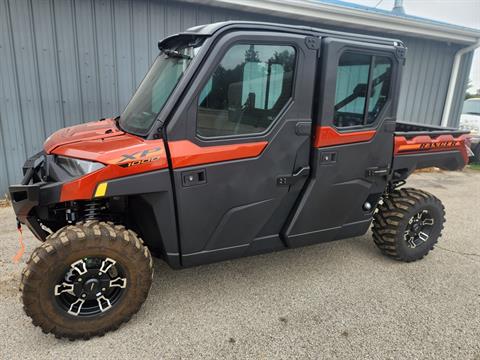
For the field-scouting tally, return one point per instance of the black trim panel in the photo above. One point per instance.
(405, 164)
(151, 207)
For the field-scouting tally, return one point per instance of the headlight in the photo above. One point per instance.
(77, 167)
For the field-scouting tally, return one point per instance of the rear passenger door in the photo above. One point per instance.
(243, 131)
(353, 143)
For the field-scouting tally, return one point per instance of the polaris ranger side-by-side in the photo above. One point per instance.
(243, 138)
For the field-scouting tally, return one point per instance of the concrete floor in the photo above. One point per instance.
(335, 300)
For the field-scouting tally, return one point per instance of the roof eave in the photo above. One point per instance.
(349, 17)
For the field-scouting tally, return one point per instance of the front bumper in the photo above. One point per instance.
(24, 199)
(33, 195)
(29, 200)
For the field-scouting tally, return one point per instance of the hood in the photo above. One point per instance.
(103, 142)
(84, 132)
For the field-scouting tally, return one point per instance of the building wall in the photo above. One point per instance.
(425, 82)
(63, 62)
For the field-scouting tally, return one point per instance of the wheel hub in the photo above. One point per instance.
(90, 286)
(416, 227)
(419, 229)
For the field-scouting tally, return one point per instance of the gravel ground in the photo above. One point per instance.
(335, 300)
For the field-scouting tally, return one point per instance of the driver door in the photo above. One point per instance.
(243, 133)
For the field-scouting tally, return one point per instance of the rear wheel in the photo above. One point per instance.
(408, 223)
(86, 279)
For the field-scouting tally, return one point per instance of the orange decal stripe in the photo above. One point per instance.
(424, 143)
(185, 153)
(328, 136)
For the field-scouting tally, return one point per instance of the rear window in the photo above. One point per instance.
(362, 90)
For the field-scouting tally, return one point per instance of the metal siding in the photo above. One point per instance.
(436, 80)
(47, 72)
(157, 29)
(68, 63)
(11, 120)
(140, 40)
(106, 57)
(204, 15)
(63, 62)
(443, 72)
(460, 90)
(425, 80)
(124, 39)
(87, 52)
(3, 164)
(27, 74)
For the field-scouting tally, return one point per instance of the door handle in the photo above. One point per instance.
(377, 171)
(303, 128)
(195, 177)
(288, 180)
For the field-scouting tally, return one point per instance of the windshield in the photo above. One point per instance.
(158, 84)
(471, 107)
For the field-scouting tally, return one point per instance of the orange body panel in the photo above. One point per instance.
(185, 153)
(144, 159)
(114, 150)
(125, 154)
(425, 143)
(84, 187)
(328, 136)
(89, 131)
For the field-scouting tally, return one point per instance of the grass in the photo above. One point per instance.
(475, 166)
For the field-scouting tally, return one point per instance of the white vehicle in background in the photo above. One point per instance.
(470, 120)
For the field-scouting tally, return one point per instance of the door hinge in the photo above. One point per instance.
(288, 180)
(401, 52)
(312, 42)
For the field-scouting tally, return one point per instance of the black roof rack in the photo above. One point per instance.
(210, 29)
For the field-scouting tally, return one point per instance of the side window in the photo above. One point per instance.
(363, 83)
(246, 91)
(380, 86)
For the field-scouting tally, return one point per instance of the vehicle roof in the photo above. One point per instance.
(210, 29)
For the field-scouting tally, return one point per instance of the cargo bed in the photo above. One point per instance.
(419, 146)
(410, 130)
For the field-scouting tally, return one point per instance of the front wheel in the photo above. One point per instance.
(86, 279)
(407, 224)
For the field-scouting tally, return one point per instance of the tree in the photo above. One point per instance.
(251, 55)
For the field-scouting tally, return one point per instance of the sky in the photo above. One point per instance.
(459, 12)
